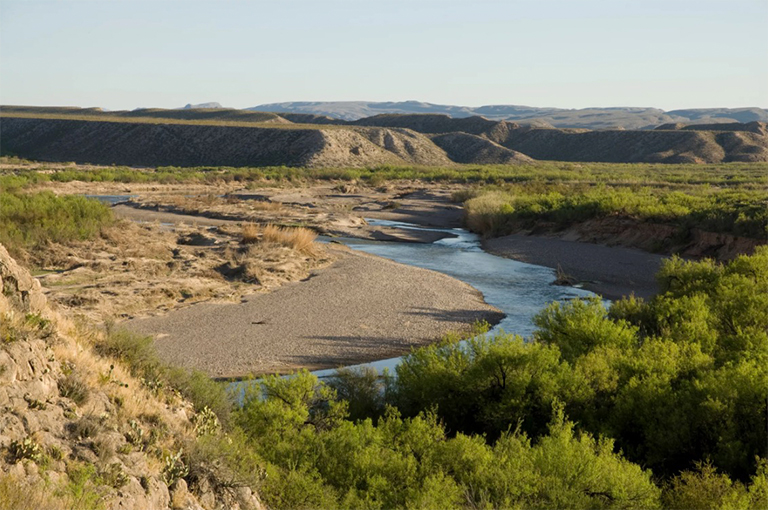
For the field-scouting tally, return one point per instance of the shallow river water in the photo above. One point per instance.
(518, 289)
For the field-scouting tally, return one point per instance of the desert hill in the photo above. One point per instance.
(228, 137)
(430, 123)
(468, 148)
(710, 143)
(754, 127)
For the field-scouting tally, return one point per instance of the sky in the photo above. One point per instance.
(668, 54)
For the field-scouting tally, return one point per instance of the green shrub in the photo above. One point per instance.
(737, 212)
(203, 392)
(137, 352)
(29, 220)
(363, 389)
(84, 489)
(27, 448)
(670, 384)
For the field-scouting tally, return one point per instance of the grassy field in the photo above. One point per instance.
(731, 211)
(16, 173)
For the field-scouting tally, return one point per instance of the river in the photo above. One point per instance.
(518, 289)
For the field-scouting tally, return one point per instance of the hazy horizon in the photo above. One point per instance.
(123, 55)
(225, 106)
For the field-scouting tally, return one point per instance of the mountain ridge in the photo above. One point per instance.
(587, 118)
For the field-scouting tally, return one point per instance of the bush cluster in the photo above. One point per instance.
(736, 212)
(641, 405)
(29, 220)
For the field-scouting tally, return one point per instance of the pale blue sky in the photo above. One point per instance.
(125, 54)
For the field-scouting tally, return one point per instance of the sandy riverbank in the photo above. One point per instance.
(612, 272)
(362, 308)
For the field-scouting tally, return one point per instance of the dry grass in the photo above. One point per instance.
(264, 205)
(485, 213)
(18, 493)
(250, 233)
(300, 239)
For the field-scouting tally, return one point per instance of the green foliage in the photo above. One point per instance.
(581, 326)
(485, 385)
(203, 392)
(363, 389)
(665, 399)
(676, 380)
(235, 461)
(413, 463)
(28, 220)
(137, 352)
(706, 488)
(27, 448)
(84, 489)
(738, 212)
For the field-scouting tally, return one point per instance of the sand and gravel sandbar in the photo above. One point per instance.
(362, 308)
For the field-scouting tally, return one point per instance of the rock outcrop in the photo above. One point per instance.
(75, 427)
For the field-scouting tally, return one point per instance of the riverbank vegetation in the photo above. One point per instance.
(513, 208)
(727, 198)
(641, 405)
(29, 220)
(18, 173)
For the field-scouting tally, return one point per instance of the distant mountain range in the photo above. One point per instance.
(190, 106)
(587, 118)
(229, 137)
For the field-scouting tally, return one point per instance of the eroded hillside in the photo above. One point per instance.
(226, 137)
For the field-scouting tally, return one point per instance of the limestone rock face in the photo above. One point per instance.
(18, 289)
